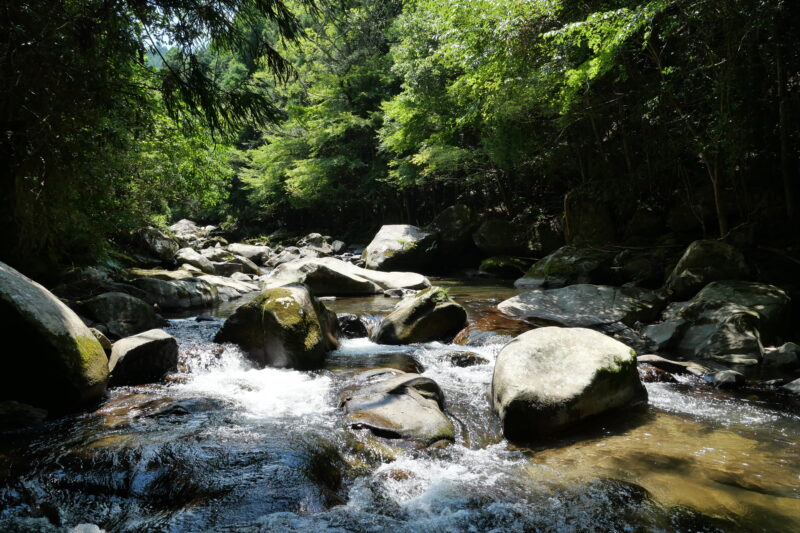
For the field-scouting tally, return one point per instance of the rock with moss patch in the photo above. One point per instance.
(63, 365)
(394, 404)
(158, 243)
(121, 314)
(567, 265)
(703, 262)
(400, 247)
(504, 267)
(255, 253)
(284, 327)
(143, 358)
(550, 379)
(430, 315)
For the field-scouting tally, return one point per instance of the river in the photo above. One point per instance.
(225, 447)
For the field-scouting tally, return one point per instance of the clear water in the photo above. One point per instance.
(226, 447)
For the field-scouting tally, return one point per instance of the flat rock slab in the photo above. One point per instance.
(583, 305)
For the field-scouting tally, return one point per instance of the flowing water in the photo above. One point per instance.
(225, 447)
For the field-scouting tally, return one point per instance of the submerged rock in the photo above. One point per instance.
(549, 379)
(121, 314)
(702, 263)
(395, 404)
(583, 305)
(428, 316)
(143, 358)
(61, 365)
(285, 327)
(400, 246)
(567, 265)
(352, 327)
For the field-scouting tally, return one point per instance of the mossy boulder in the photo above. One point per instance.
(284, 327)
(401, 247)
(158, 243)
(430, 315)
(567, 265)
(550, 379)
(504, 267)
(60, 365)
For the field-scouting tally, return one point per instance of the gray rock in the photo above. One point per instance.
(504, 267)
(785, 355)
(400, 246)
(226, 269)
(228, 288)
(568, 265)
(216, 254)
(722, 322)
(178, 294)
(62, 365)
(102, 339)
(317, 243)
(726, 379)
(549, 379)
(188, 232)
(428, 316)
(257, 254)
(583, 305)
(143, 358)
(247, 265)
(241, 276)
(703, 262)
(284, 327)
(792, 386)
(121, 314)
(162, 274)
(394, 404)
(194, 258)
(327, 276)
(158, 243)
(338, 247)
(680, 367)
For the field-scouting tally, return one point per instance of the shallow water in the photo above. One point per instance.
(225, 447)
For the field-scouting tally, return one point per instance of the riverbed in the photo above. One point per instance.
(222, 446)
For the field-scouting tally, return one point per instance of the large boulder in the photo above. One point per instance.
(454, 226)
(158, 243)
(567, 265)
(196, 259)
(60, 365)
(284, 327)
(724, 321)
(178, 294)
(586, 221)
(400, 246)
(584, 305)
(328, 276)
(430, 315)
(549, 379)
(395, 404)
(501, 237)
(121, 314)
(703, 262)
(317, 242)
(143, 358)
(189, 233)
(257, 254)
